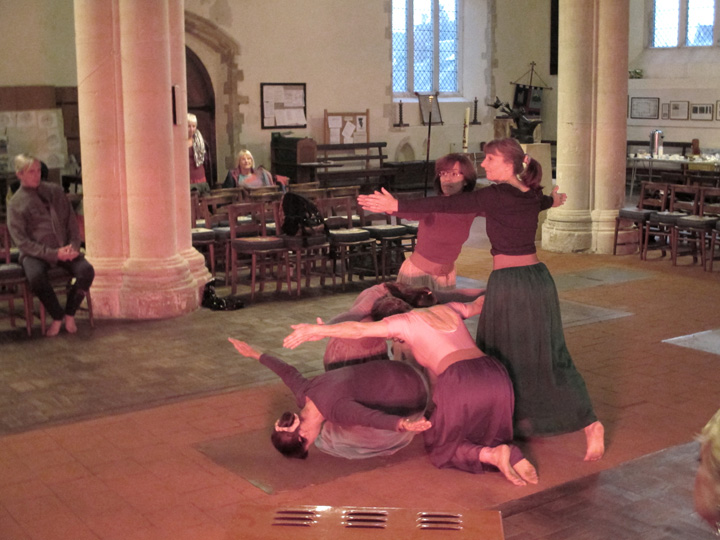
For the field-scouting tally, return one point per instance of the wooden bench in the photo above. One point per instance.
(354, 164)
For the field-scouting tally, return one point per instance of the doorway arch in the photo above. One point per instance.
(201, 103)
(210, 39)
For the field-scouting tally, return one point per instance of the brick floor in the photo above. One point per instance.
(99, 428)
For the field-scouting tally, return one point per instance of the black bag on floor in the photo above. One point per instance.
(211, 301)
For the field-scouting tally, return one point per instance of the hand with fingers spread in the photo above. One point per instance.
(558, 198)
(379, 201)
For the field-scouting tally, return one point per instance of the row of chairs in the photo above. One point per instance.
(245, 233)
(680, 218)
(14, 285)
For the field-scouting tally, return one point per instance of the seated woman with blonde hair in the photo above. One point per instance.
(245, 174)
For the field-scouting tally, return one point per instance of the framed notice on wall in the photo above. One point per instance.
(283, 105)
(645, 107)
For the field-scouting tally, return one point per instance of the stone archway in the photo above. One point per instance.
(227, 99)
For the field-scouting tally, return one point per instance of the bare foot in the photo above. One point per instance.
(70, 325)
(526, 471)
(54, 329)
(595, 435)
(499, 456)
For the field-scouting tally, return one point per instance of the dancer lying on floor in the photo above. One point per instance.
(381, 394)
(356, 442)
(471, 425)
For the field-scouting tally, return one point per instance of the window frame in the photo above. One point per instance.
(682, 37)
(409, 47)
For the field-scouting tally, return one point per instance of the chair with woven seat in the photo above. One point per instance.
(660, 226)
(215, 219)
(251, 247)
(694, 232)
(389, 238)
(653, 198)
(348, 191)
(349, 244)
(13, 285)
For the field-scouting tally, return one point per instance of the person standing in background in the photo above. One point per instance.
(199, 154)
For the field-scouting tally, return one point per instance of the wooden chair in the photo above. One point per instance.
(714, 241)
(660, 226)
(239, 194)
(653, 198)
(695, 231)
(708, 179)
(389, 238)
(349, 244)
(303, 186)
(13, 285)
(311, 194)
(348, 191)
(251, 247)
(211, 232)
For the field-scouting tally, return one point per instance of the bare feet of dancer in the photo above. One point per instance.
(70, 325)
(54, 329)
(595, 435)
(499, 456)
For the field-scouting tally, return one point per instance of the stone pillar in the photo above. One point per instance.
(157, 280)
(611, 126)
(124, 92)
(178, 75)
(569, 228)
(103, 151)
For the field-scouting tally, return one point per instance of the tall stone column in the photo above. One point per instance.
(178, 75)
(103, 148)
(124, 90)
(611, 125)
(569, 228)
(157, 280)
(592, 103)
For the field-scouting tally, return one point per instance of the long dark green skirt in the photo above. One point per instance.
(520, 326)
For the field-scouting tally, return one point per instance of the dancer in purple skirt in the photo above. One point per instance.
(471, 424)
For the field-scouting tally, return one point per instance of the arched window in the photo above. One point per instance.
(426, 46)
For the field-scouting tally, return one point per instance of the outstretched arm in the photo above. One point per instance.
(379, 201)
(292, 378)
(315, 332)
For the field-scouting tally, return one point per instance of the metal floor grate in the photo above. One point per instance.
(336, 523)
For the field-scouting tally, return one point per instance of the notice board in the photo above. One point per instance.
(283, 105)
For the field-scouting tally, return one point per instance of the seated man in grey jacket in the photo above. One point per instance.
(42, 225)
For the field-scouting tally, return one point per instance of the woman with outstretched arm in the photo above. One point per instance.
(520, 324)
